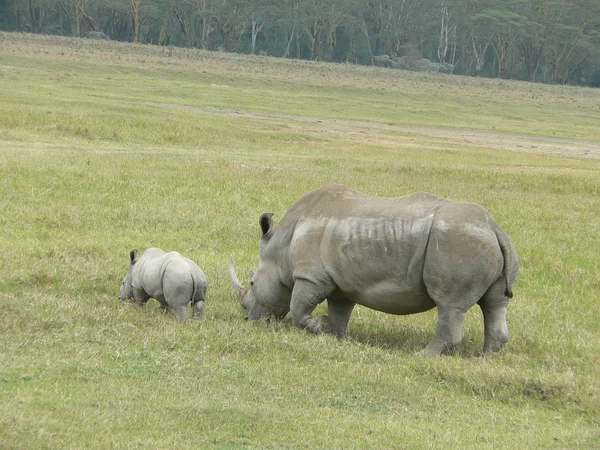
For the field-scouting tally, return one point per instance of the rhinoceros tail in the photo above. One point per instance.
(510, 259)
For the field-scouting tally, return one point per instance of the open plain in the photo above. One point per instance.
(106, 147)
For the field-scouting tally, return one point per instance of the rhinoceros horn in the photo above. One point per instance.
(239, 289)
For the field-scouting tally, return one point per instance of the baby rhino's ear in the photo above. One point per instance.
(132, 255)
(266, 223)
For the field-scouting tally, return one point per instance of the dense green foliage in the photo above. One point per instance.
(550, 41)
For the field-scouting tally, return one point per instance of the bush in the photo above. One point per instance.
(594, 80)
(415, 64)
(97, 35)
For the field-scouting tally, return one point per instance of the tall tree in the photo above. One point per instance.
(337, 20)
(231, 17)
(135, 7)
(539, 40)
(291, 15)
(260, 13)
(79, 12)
(574, 41)
(205, 24)
(542, 19)
(313, 28)
(442, 50)
(502, 26)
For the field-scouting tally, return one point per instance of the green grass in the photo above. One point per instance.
(106, 146)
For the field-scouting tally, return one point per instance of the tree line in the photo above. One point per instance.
(549, 41)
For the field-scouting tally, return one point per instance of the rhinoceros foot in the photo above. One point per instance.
(320, 324)
(198, 310)
(435, 348)
(428, 353)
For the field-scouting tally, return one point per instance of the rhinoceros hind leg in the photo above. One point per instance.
(198, 310)
(178, 311)
(448, 331)
(494, 305)
(164, 306)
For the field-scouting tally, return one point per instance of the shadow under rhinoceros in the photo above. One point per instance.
(406, 339)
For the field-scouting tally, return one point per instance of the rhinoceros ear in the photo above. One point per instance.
(132, 255)
(266, 223)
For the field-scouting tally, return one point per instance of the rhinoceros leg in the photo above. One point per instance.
(178, 311)
(140, 297)
(448, 331)
(198, 310)
(164, 306)
(305, 297)
(339, 311)
(494, 305)
(461, 264)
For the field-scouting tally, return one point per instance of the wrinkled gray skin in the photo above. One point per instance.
(400, 255)
(170, 278)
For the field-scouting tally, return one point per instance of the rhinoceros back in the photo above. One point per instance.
(372, 248)
(170, 276)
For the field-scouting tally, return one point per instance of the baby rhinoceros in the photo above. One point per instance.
(170, 278)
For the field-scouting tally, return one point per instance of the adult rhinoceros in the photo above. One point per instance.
(400, 255)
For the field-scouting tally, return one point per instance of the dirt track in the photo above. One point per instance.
(384, 134)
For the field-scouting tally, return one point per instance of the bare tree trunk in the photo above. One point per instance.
(501, 47)
(453, 58)
(135, 6)
(537, 66)
(480, 56)
(90, 20)
(203, 34)
(443, 41)
(163, 37)
(32, 17)
(76, 10)
(77, 19)
(313, 34)
(206, 31)
(256, 28)
(183, 23)
(365, 30)
(287, 49)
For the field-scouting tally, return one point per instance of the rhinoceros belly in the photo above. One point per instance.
(378, 263)
(391, 297)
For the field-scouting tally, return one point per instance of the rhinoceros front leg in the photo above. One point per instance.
(339, 310)
(140, 297)
(305, 298)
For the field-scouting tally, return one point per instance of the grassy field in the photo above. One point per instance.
(106, 146)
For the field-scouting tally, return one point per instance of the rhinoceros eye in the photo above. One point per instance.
(252, 283)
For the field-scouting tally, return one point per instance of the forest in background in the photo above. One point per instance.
(548, 41)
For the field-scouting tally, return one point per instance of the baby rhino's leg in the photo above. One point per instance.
(178, 311)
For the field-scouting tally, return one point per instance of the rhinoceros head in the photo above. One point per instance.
(126, 291)
(267, 295)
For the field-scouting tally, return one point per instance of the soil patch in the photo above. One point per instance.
(384, 134)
